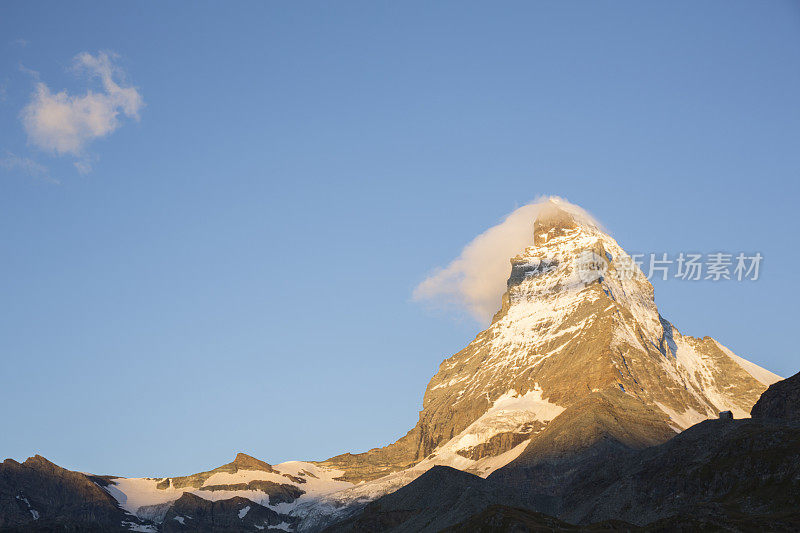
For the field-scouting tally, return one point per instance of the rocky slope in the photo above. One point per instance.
(747, 467)
(438, 498)
(502, 518)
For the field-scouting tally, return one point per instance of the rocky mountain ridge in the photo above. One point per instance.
(577, 363)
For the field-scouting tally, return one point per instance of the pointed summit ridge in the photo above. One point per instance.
(552, 221)
(477, 278)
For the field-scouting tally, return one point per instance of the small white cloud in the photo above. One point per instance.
(11, 161)
(20, 43)
(476, 279)
(64, 124)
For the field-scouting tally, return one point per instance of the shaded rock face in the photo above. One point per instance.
(524, 269)
(740, 467)
(192, 513)
(610, 418)
(37, 494)
(781, 401)
(276, 492)
(596, 433)
(500, 442)
(502, 519)
(440, 497)
(718, 471)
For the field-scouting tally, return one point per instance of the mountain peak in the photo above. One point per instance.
(247, 462)
(558, 218)
(577, 363)
(37, 461)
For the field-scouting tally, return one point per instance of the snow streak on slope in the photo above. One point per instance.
(761, 374)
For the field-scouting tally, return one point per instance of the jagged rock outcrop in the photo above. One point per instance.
(781, 401)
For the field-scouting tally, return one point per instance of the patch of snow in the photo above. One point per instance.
(449, 383)
(180, 519)
(145, 528)
(508, 413)
(283, 525)
(244, 476)
(762, 375)
(132, 493)
(683, 420)
(243, 511)
(34, 513)
(135, 493)
(700, 372)
(487, 465)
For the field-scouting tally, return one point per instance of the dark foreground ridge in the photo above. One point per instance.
(780, 401)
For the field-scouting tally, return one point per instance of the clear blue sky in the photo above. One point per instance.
(234, 272)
